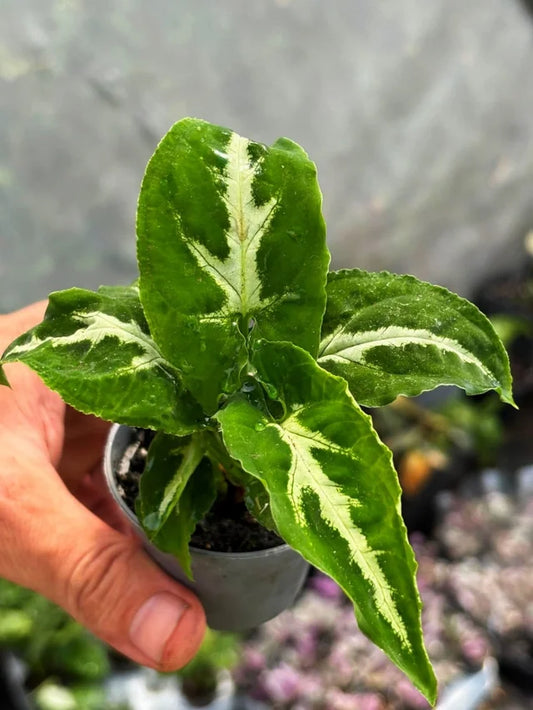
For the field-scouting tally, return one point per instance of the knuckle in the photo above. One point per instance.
(97, 582)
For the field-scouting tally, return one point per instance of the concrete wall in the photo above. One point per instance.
(417, 113)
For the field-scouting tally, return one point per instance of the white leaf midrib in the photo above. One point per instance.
(300, 441)
(237, 273)
(96, 327)
(343, 345)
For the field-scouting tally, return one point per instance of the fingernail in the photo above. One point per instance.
(154, 623)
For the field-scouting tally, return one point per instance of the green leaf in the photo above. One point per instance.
(230, 238)
(257, 501)
(334, 496)
(95, 349)
(3, 378)
(197, 499)
(52, 696)
(74, 653)
(177, 488)
(16, 626)
(391, 335)
(171, 461)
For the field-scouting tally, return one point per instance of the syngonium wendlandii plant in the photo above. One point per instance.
(251, 362)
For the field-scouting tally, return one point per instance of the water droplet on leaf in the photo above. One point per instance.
(271, 390)
(151, 521)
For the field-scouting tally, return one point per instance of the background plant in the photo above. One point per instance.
(251, 361)
(219, 652)
(476, 585)
(60, 658)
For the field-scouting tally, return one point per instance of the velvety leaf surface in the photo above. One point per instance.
(334, 496)
(170, 502)
(391, 335)
(95, 350)
(230, 237)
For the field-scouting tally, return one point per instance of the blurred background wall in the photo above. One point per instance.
(418, 114)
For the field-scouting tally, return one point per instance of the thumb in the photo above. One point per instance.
(51, 543)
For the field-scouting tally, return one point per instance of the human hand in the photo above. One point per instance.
(60, 532)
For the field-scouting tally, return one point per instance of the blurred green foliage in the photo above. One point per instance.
(65, 665)
(219, 651)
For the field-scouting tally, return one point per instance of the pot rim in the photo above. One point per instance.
(134, 520)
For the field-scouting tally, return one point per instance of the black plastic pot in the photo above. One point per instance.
(238, 590)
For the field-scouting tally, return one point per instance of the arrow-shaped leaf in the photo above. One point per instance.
(391, 335)
(95, 350)
(230, 237)
(334, 496)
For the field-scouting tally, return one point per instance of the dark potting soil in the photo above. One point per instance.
(228, 527)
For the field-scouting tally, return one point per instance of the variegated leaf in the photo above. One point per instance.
(334, 496)
(230, 238)
(95, 350)
(176, 489)
(391, 335)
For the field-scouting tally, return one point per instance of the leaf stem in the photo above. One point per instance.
(218, 455)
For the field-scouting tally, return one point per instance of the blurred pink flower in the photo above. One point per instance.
(282, 684)
(338, 700)
(326, 587)
(306, 645)
(410, 695)
(475, 649)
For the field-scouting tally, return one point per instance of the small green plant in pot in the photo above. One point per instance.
(218, 655)
(251, 361)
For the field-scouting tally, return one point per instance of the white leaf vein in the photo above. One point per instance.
(306, 473)
(354, 347)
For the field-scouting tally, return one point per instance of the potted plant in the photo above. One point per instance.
(229, 556)
(203, 678)
(251, 361)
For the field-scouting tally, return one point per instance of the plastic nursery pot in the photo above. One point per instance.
(238, 590)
